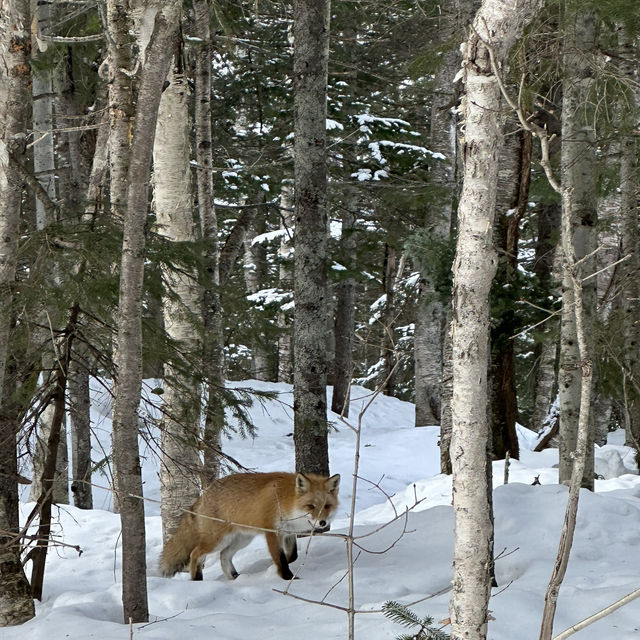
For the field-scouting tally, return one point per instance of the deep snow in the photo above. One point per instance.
(411, 557)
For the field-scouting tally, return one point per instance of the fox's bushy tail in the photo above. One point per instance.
(177, 550)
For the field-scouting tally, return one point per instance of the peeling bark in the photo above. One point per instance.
(496, 25)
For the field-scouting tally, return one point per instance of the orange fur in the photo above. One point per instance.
(236, 508)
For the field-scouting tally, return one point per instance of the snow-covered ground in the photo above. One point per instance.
(408, 561)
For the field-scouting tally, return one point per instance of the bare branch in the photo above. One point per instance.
(599, 615)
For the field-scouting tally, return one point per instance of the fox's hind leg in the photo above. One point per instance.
(231, 543)
(198, 554)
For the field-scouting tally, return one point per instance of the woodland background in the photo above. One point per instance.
(228, 190)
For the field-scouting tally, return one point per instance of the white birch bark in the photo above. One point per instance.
(579, 205)
(180, 469)
(285, 283)
(42, 105)
(128, 352)
(497, 24)
(254, 263)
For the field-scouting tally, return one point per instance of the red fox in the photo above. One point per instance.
(236, 508)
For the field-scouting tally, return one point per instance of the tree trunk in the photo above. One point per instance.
(630, 237)
(285, 277)
(180, 469)
(393, 268)
(345, 320)
(16, 603)
(498, 24)
(311, 52)
(511, 203)
(44, 167)
(212, 353)
(43, 95)
(430, 317)
(55, 433)
(548, 221)
(80, 427)
(446, 419)
(128, 354)
(255, 267)
(579, 183)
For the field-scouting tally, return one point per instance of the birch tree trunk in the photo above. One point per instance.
(16, 602)
(285, 283)
(579, 187)
(180, 469)
(128, 353)
(496, 25)
(212, 352)
(311, 52)
(43, 95)
(255, 266)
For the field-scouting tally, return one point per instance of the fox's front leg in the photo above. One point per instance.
(289, 545)
(279, 556)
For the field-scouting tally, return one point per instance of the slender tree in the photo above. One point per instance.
(579, 182)
(511, 203)
(345, 319)
(173, 199)
(212, 354)
(495, 28)
(285, 283)
(431, 313)
(630, 302)
(156, 58)
(311, 51)
(16, 603)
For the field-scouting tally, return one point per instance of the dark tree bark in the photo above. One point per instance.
(311, 52)
(47, 481)
(511, 203)
(255, 274)
(392, 268)
(344, 320)
(548, 221)
(80, 425)
(16, 603)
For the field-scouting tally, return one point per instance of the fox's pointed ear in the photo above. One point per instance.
(302, 484)
(333, 483)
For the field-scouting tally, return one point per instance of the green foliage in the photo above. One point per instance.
(401, 614)
(433, 256)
